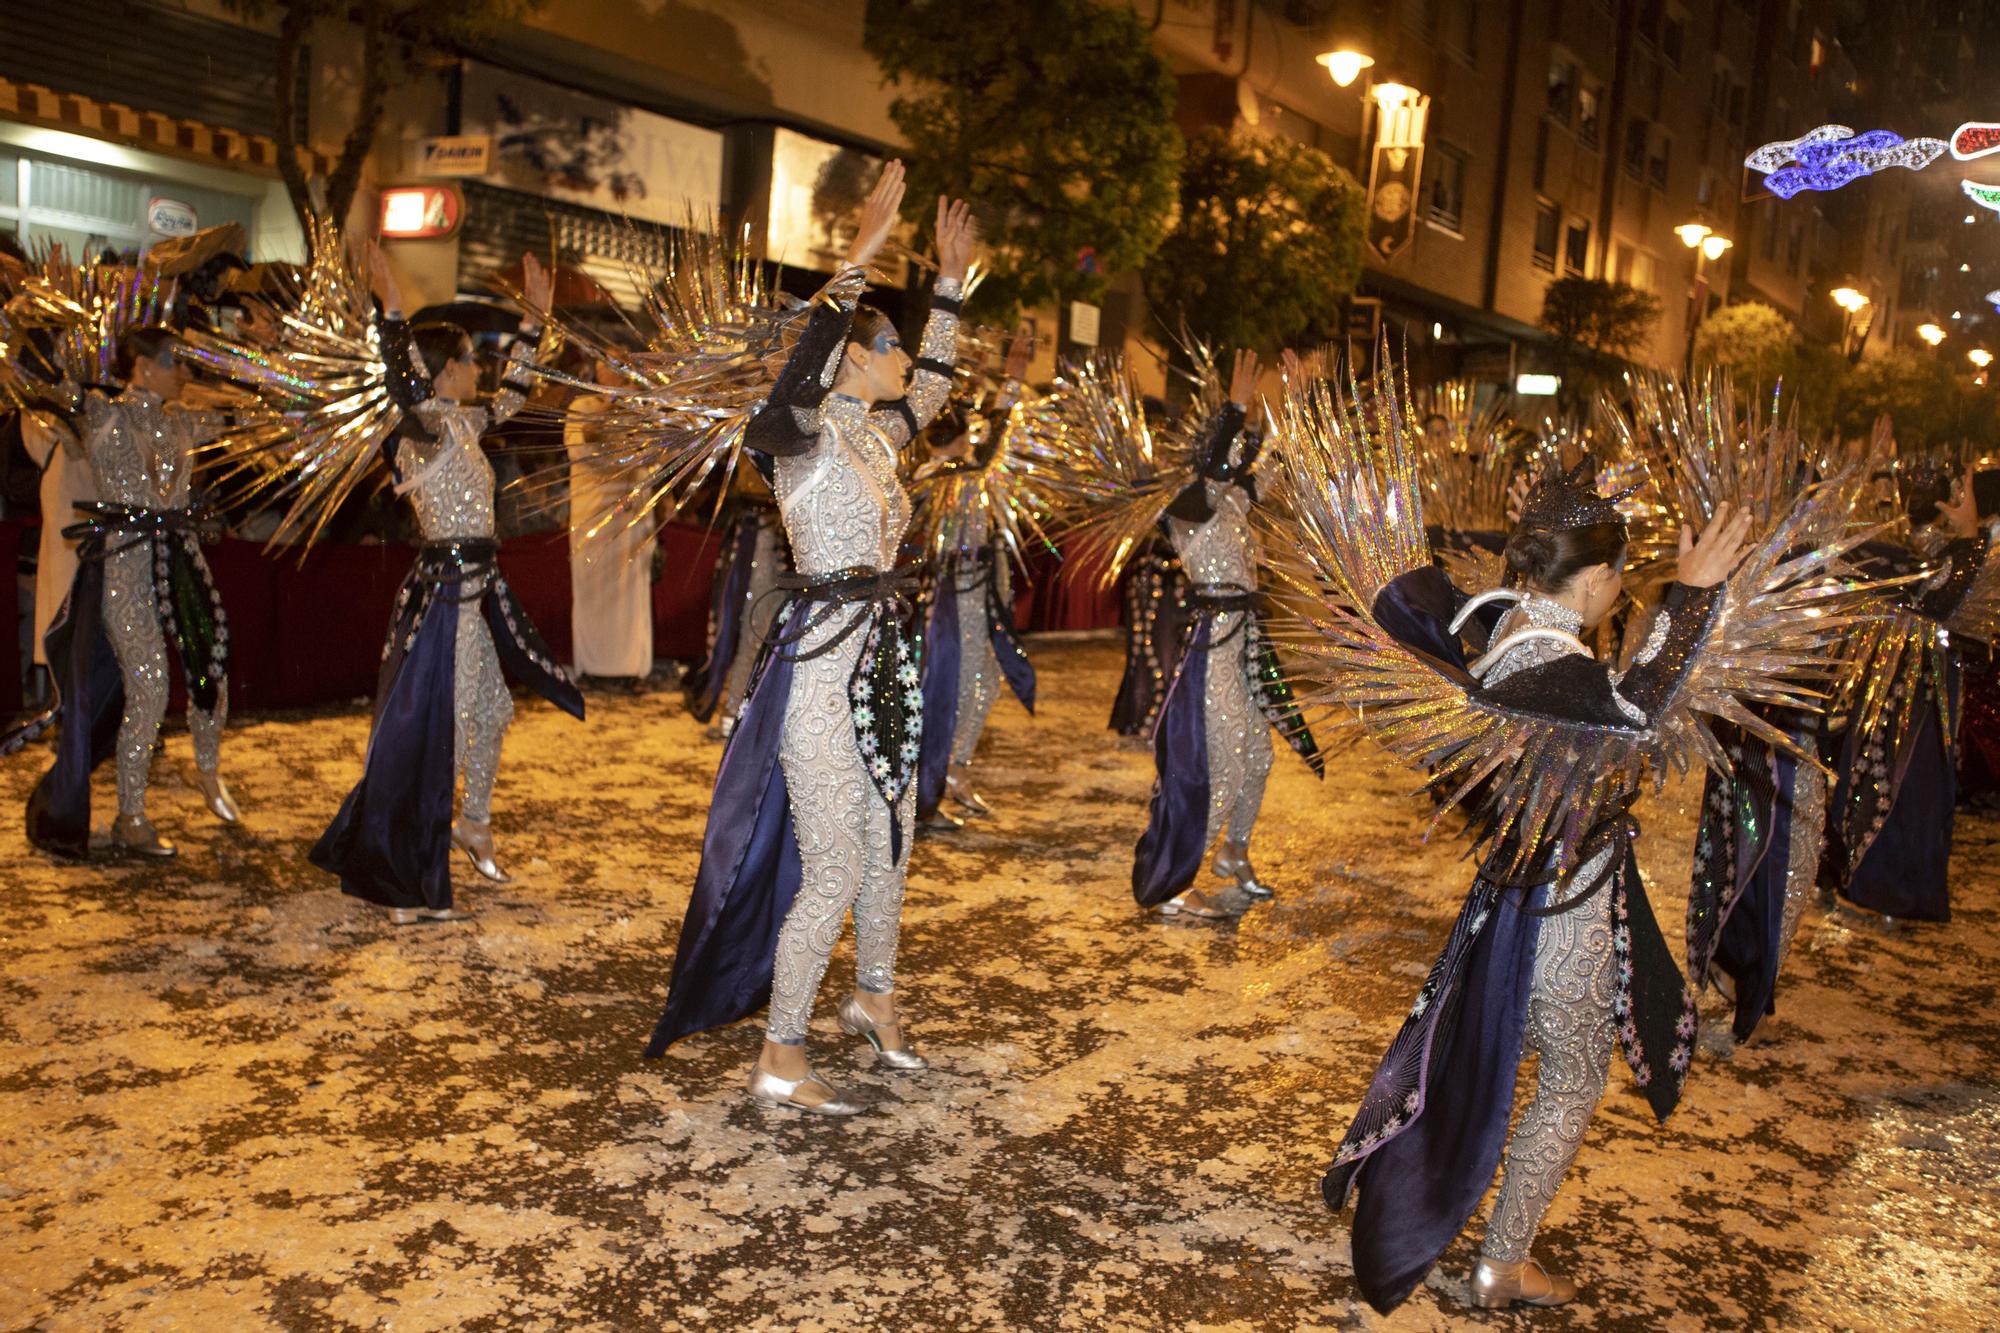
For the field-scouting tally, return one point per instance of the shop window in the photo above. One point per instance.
(1447, 192)
(1576, 248)
(1548, 223)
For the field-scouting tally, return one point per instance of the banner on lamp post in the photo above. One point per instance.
(1395, 174)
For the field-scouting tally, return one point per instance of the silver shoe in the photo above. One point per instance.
(220, 803)
(417, 916)
(1178, 905)
(968, 800)
(857, 1022)
(1495, 1285)
(1236, 867)
(138, 836)
(767, 1089)
(483, 862)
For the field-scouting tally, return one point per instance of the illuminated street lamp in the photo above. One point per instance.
(1930, 333)
(1980, 357)
(1344, 65)
(1389, 96)
(1852, 302)
(1707, 244)
(1848, 299)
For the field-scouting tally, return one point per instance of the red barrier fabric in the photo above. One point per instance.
(307, 632)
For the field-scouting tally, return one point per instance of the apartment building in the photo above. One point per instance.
(1561, 137)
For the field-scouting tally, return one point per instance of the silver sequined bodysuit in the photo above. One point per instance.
(449, 484)
(844, 507)
(1571, 1028)
(141, 456)
(1223, 551)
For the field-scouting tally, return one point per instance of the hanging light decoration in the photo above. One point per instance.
(1832, 155)
(1975, 138)
(1986, 196)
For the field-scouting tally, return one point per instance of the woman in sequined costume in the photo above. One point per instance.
(143, 583)
(972, 603)
(610, 560)
(1890, 815)
(753, 555)
(813, 806)
(1554, 964)
(1212, 744)
(443, 706)
(1156, 618)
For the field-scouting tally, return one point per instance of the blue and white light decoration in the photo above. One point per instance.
(1832, 155)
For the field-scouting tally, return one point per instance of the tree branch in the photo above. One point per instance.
(292, 30)
(346, 177)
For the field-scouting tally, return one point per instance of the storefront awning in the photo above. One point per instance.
(32, 104)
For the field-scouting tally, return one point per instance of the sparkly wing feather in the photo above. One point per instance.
(1017, 490)
(1115, 470)
(1359, 523)
(711, 341)
(81, 309)
(324, 391)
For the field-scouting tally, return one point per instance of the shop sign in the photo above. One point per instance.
(170, 217)
(452, 155)
(1083, 324)
(420, 212)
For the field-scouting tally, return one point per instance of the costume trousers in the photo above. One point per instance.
(1239, 738)
(482, 708)
(132, 623)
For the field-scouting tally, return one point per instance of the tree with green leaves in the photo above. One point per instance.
(1055, 119)
(398, 39)
(1750, 341)
(1595, 327)
(1265, 246)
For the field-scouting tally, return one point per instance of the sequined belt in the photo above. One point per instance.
(1223, 599)
(861, 585)
(138, 526)
(446, 567)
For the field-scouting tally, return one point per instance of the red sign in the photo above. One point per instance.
(419, 212)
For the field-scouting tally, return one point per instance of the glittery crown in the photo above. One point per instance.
(1561, 501)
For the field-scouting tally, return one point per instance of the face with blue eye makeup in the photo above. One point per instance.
(875, 368)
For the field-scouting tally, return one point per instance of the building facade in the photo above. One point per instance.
(1563, 138)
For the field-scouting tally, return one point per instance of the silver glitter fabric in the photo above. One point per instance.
(844, 507)
(1571, 1021)
(1572, 1033)
(1223, 551)
(140, 454)
(758, 611)
(1808, 841)
(978, 667)
(449, 484)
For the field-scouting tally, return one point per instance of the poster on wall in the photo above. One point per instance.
(592, 151)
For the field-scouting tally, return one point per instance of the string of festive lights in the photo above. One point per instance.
(1986, 196)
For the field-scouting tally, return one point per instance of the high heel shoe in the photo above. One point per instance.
(1182, 905)
(481, 857)
(1495, 1285)
(138, 837)
(858, 1022)
(220, 803)
(1236, 866)
(767, 1089)
(971, 801)
(418, 916)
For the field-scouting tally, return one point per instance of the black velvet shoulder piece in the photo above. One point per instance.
(1573, 688)
(409, 383)
(776, 428)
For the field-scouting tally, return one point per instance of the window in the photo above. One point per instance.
(1771, 239)
(1423, 15)
(1816, 61)
(1548, 222)
(1461, 29)
(1739, 97)
(1635, 148)
(1562, 86)
(1794, 247)
(1447, 192)
(1649, 19)
(1587, 99)
(1673, 39)
(1656, 165)
(1576, 248)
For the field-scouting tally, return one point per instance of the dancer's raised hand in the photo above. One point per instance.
(1243, 378)
(956, 236)
(1708, 560)
(878, 215)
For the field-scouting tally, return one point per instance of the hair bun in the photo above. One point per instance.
(1531, 553)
